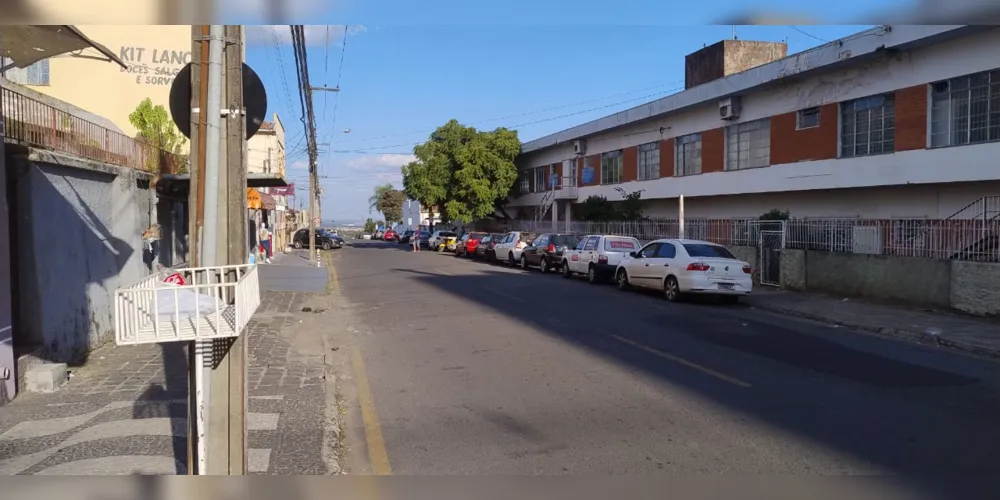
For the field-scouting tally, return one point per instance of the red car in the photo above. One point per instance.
(390, 235)
(468, 246)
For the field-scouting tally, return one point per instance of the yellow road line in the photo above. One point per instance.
(377, 455)
(332, 285)
(689, 364)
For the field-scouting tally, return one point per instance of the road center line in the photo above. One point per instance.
(689, 364)
(377, 456)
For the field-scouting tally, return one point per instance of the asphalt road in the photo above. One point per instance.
(467, 368)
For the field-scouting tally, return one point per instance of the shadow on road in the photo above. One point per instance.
(929, 422)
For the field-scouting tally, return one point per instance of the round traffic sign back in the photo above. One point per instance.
(254, 100)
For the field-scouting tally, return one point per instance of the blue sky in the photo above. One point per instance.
(408, 67)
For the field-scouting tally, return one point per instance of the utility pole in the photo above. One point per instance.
(309, 122)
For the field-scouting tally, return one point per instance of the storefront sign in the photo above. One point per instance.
(153, 66)
(288, 190)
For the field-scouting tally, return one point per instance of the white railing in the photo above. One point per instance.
(215, 302)
(566, 188)
(977, 240)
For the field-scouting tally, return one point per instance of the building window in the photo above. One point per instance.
(807, 118)
(688, 161)
(867, 126)
(748, 145)
(966, 110)
(525, 181)
(649, 161)
(539, 179)
(611, 167)
(36, 74)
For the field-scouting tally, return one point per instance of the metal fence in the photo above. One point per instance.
(34, 123)
(967, 239)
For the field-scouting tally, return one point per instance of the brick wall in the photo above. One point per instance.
(911, 118)
(579, 171)
(789, 145)
(713, 145)
(630, 164)
(667, 157)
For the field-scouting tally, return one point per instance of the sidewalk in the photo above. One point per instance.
(971, 334)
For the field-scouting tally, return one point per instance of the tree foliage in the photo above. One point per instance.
(597, 208)
(388, 201)
(775, 214)
(462, 171)
(369, 226)
(154, 126)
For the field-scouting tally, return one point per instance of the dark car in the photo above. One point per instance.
(425, 237)
(485, 248)
(546, 251)
(405, 237)
(324, 239)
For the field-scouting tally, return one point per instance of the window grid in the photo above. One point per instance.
(539, 179)
(611, 167)
(688, 152)
(748, 145)
(35, 74)
(807, 118)
(966, 110)
(649, 161)
(525, 182)
(867, 126)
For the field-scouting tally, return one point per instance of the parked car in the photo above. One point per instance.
(546, 251)
(467, 246)
(424, 237)
(486, 246)
(598, 256)
(510, 247)
(324, 239)
(679, 267)
(405, 237)
(390, 235)
(436, 236)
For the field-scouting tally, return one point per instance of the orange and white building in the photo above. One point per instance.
(893, 122)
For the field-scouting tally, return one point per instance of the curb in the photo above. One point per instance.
(914, 336)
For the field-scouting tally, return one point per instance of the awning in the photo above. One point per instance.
(30, 43)
(254, 201)
(267, 201)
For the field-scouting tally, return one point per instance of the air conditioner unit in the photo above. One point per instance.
(580, 147)
(729, 108)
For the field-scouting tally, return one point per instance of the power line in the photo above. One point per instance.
(619, 103)
(518, 115)
(814, 37)
(336, 98)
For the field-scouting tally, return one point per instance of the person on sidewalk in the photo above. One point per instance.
(415, 240)
(265, 242)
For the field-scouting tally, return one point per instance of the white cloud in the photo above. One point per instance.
(379, 165)
(316, 35)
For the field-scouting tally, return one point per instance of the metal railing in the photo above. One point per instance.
(34, 123)
(977, 240)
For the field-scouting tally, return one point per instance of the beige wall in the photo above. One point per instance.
(267, 144)
(154, 53)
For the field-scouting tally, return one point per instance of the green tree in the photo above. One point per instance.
(154, 126)
(373, 200)
(597, 208)
(369, 226)
(630, 208)
(390, 204)
(775, 214)
(466, 173)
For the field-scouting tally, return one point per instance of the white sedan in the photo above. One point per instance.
(679, 267)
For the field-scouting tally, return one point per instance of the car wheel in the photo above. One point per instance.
(327, 245)
(297, 245)
(671, 290)
(524, 263)
(622, 280)
(592, 275)
(510, 259)
(565, 270)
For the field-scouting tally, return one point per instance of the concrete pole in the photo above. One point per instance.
(680, 231)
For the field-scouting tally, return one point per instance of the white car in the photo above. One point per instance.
(598, 256)
(436, 236)
(679, 267)
(510, 247)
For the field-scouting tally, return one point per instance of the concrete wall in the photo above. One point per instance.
(78, 237)
(975, 287)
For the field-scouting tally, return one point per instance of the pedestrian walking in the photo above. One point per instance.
(415, 240)
(265, 242)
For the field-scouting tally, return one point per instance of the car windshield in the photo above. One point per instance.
(708, 251)
(447, 234)
(620, 245)
(425, 234)
(564, 240)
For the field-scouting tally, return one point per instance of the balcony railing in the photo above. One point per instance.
(34, 123)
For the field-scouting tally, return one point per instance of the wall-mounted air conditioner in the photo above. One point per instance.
(729, 108)
(580, 147)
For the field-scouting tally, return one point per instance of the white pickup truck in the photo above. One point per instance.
(597, 256)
